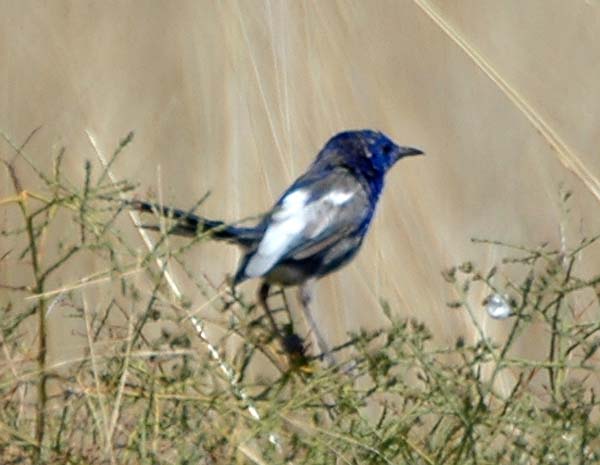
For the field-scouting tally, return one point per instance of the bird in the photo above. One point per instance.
(316, 226)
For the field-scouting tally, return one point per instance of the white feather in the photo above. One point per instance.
(290, 221)
(286, 224)
(339, 197)
(322, 208)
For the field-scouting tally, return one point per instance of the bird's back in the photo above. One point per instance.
(315, 227)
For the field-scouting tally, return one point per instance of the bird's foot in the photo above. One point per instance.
(295, 348)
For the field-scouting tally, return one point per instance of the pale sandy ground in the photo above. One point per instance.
(237, 97)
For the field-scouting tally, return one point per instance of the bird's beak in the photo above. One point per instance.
(409, 152)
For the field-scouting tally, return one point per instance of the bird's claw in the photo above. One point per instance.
(295, 348)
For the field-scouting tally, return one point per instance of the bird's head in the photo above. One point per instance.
(371, 151)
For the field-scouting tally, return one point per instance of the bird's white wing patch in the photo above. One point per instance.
(323, 211)
(286, 224)
(296, 219)
(339, 197)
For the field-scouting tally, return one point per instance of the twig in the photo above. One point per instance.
(197, 323)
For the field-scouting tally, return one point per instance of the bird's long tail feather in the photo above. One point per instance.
(190, 225)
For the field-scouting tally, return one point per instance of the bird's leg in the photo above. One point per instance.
(291, 343)
(306, 295)
(263, 295)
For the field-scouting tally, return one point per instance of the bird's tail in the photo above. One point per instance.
(190, 225)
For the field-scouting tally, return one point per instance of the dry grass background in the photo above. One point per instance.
(236, 97)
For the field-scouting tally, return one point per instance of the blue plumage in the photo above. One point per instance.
(319, 222)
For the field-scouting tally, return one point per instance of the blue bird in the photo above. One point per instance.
(317, 225)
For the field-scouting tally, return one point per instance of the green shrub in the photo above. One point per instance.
(150, 387)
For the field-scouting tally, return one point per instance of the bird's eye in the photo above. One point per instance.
(386, 149)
